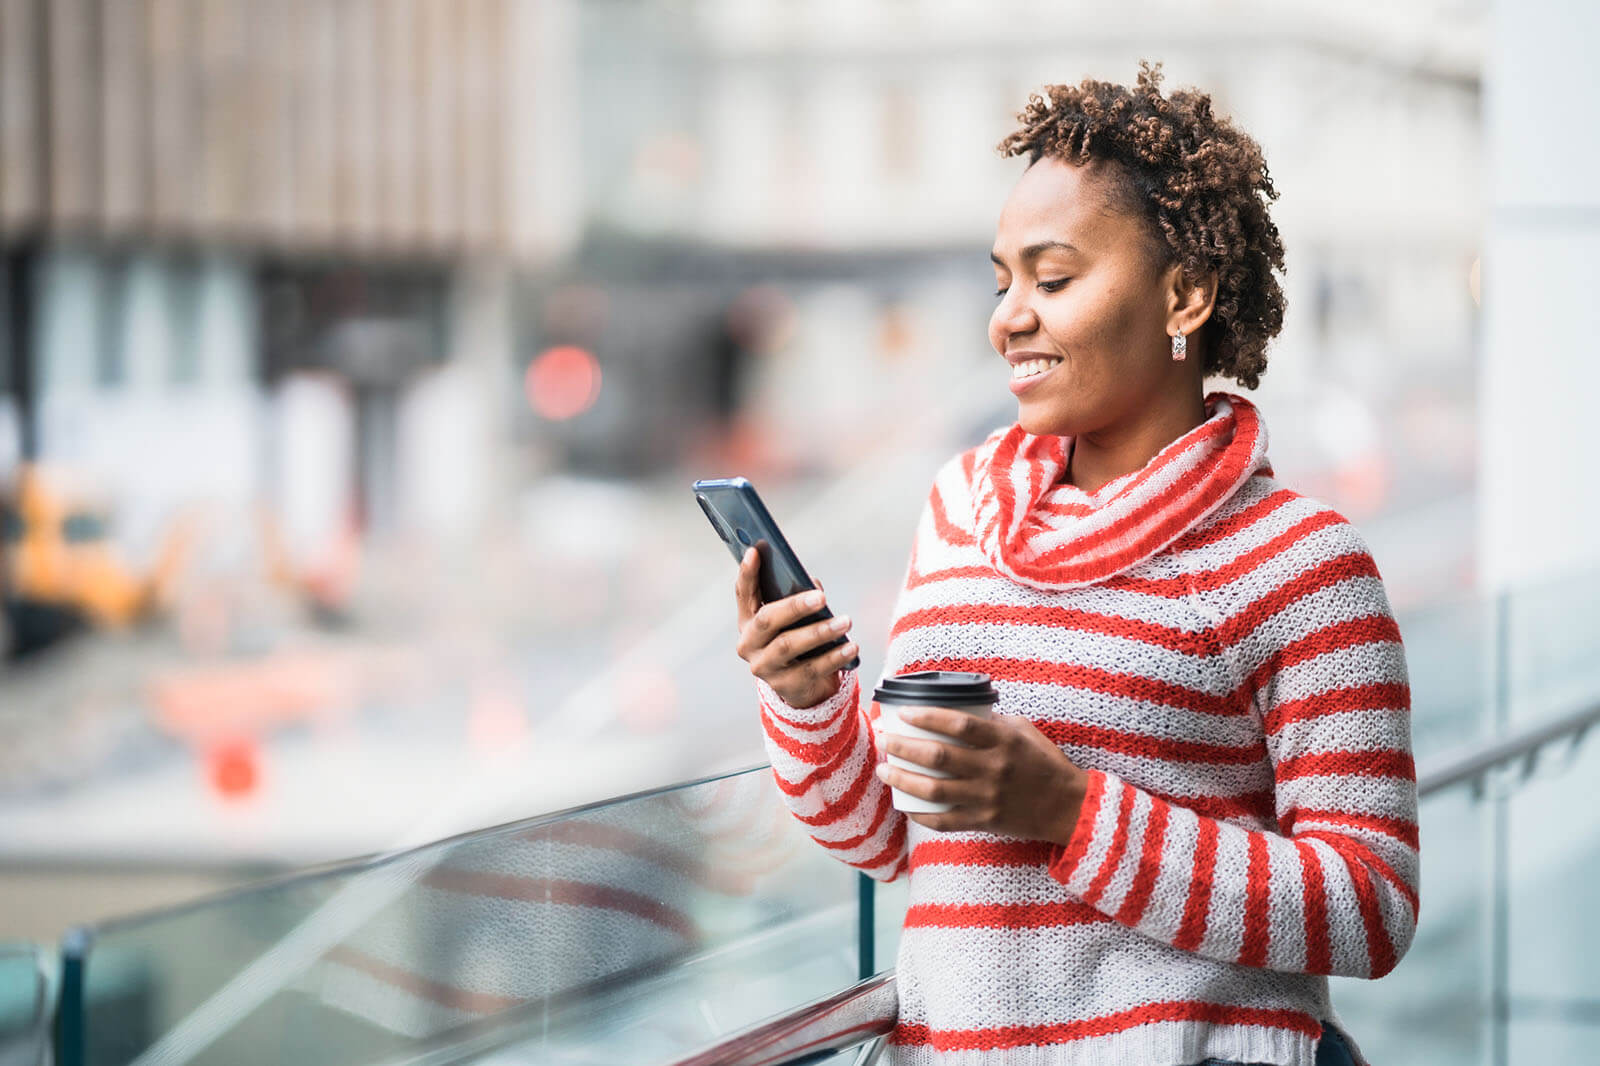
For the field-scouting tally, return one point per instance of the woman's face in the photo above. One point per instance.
(1084, 303)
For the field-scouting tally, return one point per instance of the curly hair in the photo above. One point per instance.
(1199, 181)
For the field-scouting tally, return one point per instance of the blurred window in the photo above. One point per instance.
(183, 309)
(82, 528)
(111, 355)
(7, 375)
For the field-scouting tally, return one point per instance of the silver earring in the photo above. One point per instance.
(1180, 347)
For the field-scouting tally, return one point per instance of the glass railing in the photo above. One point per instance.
(1503, 967)
(654, 928)
(631, 931)
(25, 1005)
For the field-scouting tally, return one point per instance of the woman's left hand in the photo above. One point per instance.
(1010, 780)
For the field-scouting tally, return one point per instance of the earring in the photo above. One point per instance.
(1180, 347)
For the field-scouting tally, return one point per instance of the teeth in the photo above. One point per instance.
(1032, 367)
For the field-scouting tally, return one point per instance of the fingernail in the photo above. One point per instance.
(813, 599)
(882, 770)
(840, 624)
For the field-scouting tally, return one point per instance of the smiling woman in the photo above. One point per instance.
(1196, 797)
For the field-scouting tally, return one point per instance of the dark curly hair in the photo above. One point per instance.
(1200, 182)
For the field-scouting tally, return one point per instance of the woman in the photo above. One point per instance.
(1197, 798)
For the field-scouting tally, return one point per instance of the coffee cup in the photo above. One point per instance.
(952, 689)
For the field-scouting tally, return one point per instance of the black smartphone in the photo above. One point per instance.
(736, 512)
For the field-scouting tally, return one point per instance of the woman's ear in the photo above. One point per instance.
(1189, 302)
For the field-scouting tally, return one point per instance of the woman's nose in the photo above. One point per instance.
(1014, 315)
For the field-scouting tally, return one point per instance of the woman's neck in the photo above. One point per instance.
(1106, 454)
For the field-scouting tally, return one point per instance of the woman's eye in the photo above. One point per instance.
(1054, 286)
(1001, 291)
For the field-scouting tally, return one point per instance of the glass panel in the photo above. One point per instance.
(1450, 657)
(24, 1006)
(889, 914)
(1553, 844)
(1551, 644)
(1431, 1008)
(626, 932)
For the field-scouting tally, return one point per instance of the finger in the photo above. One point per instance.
(771, 661)
(935, 789)
(946, 758)
(746, 587)
(793, 643)
(946, 821)
(969, 729)
(777, 616)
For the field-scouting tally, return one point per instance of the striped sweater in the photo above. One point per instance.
(1218, 654)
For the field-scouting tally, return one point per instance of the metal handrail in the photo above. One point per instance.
(867, 1011)
(1475, 762)
(848, 1018)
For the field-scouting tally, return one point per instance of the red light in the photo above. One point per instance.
(562, 382)
(234, 769)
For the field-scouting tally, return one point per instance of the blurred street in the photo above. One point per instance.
(358, 357)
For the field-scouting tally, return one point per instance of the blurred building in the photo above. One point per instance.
(203, 202)
(241, 241)
(845, 151)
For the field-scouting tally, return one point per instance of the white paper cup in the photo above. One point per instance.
(890, 722)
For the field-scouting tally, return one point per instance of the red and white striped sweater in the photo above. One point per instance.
(1218, 653)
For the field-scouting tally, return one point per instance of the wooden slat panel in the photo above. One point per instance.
(528, 30)
(471, 58)
(74, 69)
(353, 124)
(438, 145)
(360, 94)
(280, 92)
(21, 140)
(397, 127)
(124, 105)
(484, 40)
(498, 99)
(211, 89)
(172, 115)
(255, 150)
(317, 218)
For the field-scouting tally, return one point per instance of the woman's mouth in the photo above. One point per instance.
(1026, 373)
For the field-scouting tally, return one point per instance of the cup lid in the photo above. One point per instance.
(936, 687)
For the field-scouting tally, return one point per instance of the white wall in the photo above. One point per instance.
(1540, 493)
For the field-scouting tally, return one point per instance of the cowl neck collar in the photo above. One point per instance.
(1040, 531)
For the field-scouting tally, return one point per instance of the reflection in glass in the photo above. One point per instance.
(622, 931)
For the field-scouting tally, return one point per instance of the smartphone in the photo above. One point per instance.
(736, 512)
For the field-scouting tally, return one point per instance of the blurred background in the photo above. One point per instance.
(357, 355)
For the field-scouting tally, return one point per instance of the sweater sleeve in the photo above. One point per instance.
(1333, 888)
(823, 759)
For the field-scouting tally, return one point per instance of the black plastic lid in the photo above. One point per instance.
(937, 687)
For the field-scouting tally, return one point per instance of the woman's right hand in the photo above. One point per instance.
(772, 653)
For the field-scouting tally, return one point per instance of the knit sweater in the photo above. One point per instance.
(1218, 655)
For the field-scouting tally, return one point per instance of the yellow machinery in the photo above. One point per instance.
(57, 553)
